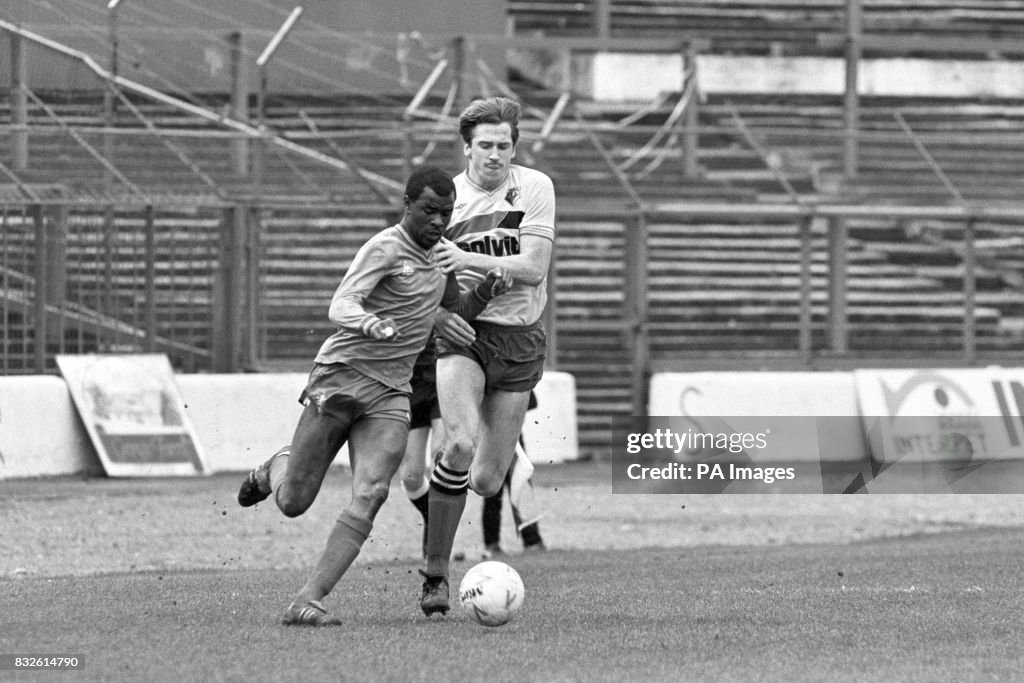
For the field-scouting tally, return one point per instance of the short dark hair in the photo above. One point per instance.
(489, 110)
(434, 177)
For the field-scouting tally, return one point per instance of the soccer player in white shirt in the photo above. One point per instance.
(504, 217)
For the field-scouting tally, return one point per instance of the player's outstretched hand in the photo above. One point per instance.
(495, 284)
(383, 329)
(450, 258)
(452, 327)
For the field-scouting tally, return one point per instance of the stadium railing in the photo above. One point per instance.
(654, 270)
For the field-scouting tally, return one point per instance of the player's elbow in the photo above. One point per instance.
(533, 277)
(342, 311)
(532, 281)
(534, 268)
(335, 313)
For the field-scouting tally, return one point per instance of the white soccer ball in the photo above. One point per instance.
(491, 593)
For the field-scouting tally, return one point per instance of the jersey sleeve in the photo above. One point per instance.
(450, 298)
(539, 206)
(469, 304)
(372, 263)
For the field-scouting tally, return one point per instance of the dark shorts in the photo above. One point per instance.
(347, 394)
(512, 358)
(423, 406)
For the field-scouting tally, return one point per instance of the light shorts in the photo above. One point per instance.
(512, 358)
(347, 394)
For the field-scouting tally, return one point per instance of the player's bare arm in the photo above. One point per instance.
(529, 266)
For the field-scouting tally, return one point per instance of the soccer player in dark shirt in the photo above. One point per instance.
(358, 390)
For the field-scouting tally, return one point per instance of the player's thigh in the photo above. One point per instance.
(316, 442)
(502, 416)
(460, 390)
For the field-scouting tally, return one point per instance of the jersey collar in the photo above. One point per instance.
(499, 186)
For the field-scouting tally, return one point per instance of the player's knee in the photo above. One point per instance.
(459, 450)
(412, 471)
(371, 494)
(293, 506)
(295, 496)
(485, 484)
(412, 481)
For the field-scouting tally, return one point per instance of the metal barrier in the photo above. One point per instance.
(87, 279)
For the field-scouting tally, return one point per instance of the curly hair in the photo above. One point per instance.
(439, 180)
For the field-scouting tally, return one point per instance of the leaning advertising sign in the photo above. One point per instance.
(134, 414)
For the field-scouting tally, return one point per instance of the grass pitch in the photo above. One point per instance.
(944, 605)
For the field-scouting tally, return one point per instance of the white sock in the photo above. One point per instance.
(520, 491)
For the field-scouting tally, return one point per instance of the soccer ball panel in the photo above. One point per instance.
(491, 593)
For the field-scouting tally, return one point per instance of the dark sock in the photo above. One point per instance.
(422, 504)
(492, 519)
(531, 534)
(447, 499)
